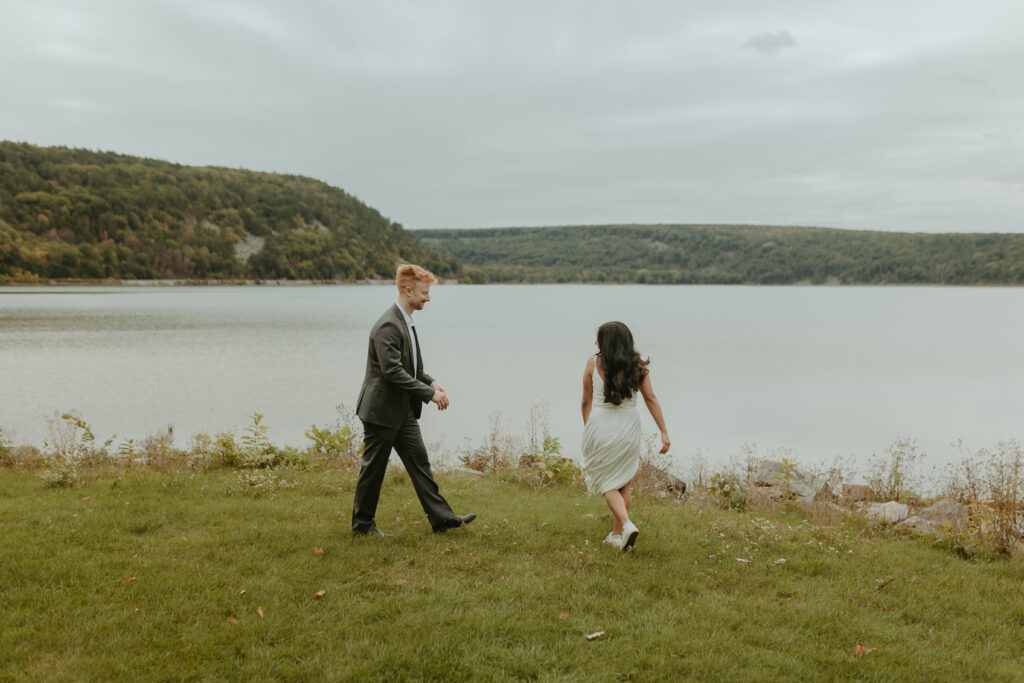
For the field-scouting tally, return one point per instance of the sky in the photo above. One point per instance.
(864, 114)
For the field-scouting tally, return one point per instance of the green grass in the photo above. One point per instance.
(511, 596)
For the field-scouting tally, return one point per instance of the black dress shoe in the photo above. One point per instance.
(454, 522)
(372, 532)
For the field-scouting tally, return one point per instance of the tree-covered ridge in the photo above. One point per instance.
(73, 213)
(731, 254)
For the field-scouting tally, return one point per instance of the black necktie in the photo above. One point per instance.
(419, 356)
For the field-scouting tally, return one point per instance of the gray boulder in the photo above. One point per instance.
(891, 512)
(465, 470)
(856, 492)
(940, 515)
(919, 525)
(947, 513)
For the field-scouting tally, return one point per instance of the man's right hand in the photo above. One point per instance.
(440, 398)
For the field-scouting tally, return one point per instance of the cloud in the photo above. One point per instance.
(770, 43)
(462, 114)
(72, 103)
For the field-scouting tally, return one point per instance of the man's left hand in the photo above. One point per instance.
(440, 396)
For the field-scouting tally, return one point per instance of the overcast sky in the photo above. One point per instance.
(868, 113)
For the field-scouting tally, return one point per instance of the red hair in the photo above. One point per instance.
(408, 274)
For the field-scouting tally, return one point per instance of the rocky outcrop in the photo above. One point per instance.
(651, 477)
(784, 480)
(940, 515)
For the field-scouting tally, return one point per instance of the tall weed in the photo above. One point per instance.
(896, 474)
(73, 447)
(991, 482)
(500, 449)
(5, 450)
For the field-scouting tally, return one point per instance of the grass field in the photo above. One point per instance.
(213, 574)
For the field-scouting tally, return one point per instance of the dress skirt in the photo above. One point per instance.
(611, 446)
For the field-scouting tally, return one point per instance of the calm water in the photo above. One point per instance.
(816, 371)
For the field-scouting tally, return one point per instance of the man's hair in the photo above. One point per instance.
(408, 274)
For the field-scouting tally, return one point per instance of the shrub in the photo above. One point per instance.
(5, 448)
(726, 487)
(551, 466)
(340, 444)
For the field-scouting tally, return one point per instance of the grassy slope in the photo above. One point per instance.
(512, 596)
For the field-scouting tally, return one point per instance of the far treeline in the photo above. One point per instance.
(730, 254)
(73, 214)
(77, 214)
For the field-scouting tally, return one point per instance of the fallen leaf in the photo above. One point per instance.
(399, 518)
(424, 587)
(501, 578)
(138, 609)
(233, 620)
(120, 493)
(401, 582)
(241, 592)
(126, 503)
(588, 516)
(595, 635)
(862, 649)
(563, 615)
(86, 498)
(128, 579)
(319, 594)
(259, 611)
(742, 559)
(318, 552)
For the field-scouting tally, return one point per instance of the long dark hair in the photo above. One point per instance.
(624, 370)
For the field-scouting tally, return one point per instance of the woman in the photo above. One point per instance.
(611, 424)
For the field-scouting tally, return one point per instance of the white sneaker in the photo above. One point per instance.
(614, 540)
(629, 534)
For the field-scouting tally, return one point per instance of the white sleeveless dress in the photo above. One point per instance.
(611, 442)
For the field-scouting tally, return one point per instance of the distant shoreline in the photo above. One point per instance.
(451, 281)
(197, 283)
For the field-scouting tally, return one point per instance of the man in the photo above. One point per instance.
(394, 390)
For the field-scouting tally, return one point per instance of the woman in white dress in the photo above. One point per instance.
(611, 431)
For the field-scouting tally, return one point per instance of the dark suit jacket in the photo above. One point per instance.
(389, 387)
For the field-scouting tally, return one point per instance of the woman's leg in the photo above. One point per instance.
(625, 497)
(617, 505)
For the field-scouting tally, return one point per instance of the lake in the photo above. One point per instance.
(806, 372)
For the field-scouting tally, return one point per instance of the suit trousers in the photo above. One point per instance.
(407, 441)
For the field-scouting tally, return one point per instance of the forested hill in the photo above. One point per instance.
(72, 213)
(730, 254)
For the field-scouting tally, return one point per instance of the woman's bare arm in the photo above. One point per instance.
(647, 391)
(588, 390)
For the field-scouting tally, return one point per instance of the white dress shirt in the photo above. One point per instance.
(412, 337)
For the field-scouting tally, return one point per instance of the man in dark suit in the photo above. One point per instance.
(394, 390)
